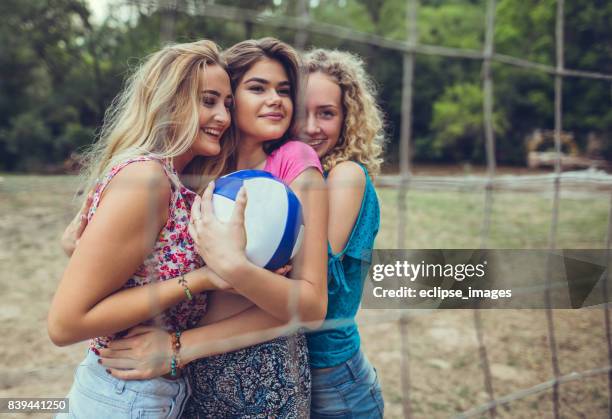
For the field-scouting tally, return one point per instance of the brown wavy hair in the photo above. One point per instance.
(362, 136)
(242, 56)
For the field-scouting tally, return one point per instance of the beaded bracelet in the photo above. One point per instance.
(183, 283)
(175, 360)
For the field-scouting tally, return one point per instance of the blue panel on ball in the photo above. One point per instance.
(292, 229)
(251, 173)
(228, 187)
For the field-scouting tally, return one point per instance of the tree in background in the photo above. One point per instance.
(59, 71)
(45, 92)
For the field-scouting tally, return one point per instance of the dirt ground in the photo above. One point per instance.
(440, 347)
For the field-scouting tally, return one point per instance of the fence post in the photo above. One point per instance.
(552, 237)
(405, 173)
(487, 103)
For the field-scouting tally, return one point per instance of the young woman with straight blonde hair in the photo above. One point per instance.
(172, 114)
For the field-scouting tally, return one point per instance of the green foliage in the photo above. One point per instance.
(28, 138)
(453, 24)
(526, 31)
(458, 122)
(355, 14)
(59, 71)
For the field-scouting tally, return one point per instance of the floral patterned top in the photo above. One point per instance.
(174, 254)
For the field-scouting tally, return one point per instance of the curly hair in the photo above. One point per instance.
(362, 136)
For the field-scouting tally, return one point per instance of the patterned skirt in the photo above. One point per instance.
(271, 379)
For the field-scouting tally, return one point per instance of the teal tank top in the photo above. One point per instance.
(331, 347)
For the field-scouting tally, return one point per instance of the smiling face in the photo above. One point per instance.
(324, 115)
(263, 102)
(214, 111)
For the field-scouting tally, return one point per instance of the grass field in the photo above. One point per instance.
(444, 363)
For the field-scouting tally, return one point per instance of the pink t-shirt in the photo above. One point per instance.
(289, 160)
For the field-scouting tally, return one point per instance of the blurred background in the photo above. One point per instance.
(63, 61)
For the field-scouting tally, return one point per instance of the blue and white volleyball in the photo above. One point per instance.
(273, 216)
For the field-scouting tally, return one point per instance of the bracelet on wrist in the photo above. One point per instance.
(183, 283)
(175, 359)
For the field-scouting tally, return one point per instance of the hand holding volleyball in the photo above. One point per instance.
(271, 221)
(220, 243)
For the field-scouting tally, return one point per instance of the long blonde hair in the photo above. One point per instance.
(157, 112)
(362, 136)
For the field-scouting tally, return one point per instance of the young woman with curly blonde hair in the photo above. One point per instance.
(345, 126)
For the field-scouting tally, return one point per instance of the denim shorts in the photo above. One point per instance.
(96, 394)
(349, 390)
